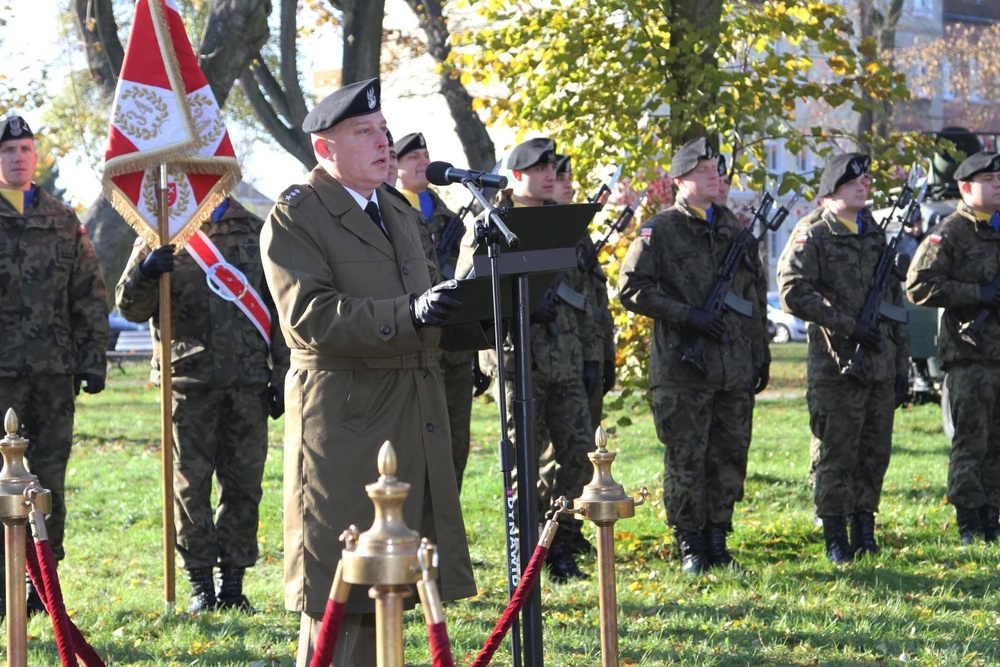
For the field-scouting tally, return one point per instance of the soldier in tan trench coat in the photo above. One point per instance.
(359, 314)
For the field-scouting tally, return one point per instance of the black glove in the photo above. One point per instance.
(545, 312)
(480, 380)
(590, 376)
(989, 296)
(435, 306)
(275, 401)
(706, 323)
(902, 388)
(867, 336)
(763, 376)
(95, 383)
(609, 375)
(158, 262)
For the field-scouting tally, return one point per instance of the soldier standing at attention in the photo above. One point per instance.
(703, 420)
(357, 308)
(393, 166)
(54, 319)
(823, 276)
(456, 366)
(956, 268)
(228, 372)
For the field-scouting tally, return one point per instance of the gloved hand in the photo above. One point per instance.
(763, 376)
(902, 388)
(480, 380)
(435, 306)
(867, 337)
(609, 375)
(275, 401)
(95, 383)
(707, 323)
(989, 296)
(158, 262)
(545, 312)
(590, 376)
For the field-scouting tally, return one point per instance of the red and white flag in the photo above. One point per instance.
(165, 112)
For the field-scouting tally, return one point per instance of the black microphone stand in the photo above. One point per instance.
(491, 229)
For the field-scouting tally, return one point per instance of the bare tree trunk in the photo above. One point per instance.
(222, 58)
(99, 32)
(876, 119)
(362, 38)
(704, 18)
(479, 149)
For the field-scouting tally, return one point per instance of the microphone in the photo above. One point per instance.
(442, 173)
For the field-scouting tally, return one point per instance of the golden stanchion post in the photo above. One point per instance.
(385, 558)
(604, 502)
(18, 488)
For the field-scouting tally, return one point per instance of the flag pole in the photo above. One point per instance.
(166, 401)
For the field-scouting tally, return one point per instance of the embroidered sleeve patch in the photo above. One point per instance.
(646, 231)
(801, 238)
(934, 238)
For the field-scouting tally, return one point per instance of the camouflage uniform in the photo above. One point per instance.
(456, 366)
(54, 318)
(823, 276)
(959, 255)
(596, 283)
(221, 368)
(704, 422)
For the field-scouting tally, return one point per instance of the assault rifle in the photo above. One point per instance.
(618, 226)
(449, 239)
(604, 192)
(972, 332)
(875, 308)
(722, 297)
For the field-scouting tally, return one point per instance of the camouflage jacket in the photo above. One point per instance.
(437, 223)
(823, 276)
(670, 268)
(53, 305)
(213, 343)
(955, 258)
(597, 295)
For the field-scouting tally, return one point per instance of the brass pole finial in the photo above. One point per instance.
(387, 461)
(10, 422)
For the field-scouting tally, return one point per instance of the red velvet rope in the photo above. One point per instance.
(328, 633)
(437, 636)
(517, 600)
(41, 565)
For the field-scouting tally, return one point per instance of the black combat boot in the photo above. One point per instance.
(582, 546)
(202, 590)
(561, 563)
(989, 517)
(694, 559)
(970, 526)
(863, 534)
(838, 549)
(717, 553)
(231, 590)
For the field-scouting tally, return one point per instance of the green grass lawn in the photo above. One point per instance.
(923, 601)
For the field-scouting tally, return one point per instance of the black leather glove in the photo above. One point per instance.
(95, 383)
(545, 312)
(158, 262)
(480, 380)
(763, 376)
(989, 296)
(706, 323)
(609, 375)
(867, 337)
(590, 376)
(435, 306)
(275, 401)
(902, 388)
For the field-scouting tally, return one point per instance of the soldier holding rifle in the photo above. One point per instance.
(957, 267)
(703, 409)
(824, 275)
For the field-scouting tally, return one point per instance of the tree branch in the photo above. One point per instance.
(291, 139)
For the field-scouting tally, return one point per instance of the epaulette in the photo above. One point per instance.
(294, 194)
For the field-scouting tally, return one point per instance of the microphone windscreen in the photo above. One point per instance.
(436, 173)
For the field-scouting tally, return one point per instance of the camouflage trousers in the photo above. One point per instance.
(974, 464)
(222, 433)
(458, 386)
(852, 438)
(44, 406)
(706, 439)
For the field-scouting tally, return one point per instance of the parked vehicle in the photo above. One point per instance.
(787, 327)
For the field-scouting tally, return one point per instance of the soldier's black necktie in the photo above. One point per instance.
(372, 210)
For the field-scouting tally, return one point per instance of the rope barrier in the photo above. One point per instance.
(326, 642)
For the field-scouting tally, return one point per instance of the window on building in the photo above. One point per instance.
(973, 80)
(923, 8)
(947, 89)
(804, 161)
(774, 155)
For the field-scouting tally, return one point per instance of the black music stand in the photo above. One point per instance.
(548, 238)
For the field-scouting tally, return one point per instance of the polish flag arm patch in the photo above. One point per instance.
(934, 238)
(801, 238)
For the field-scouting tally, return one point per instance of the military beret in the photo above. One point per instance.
(840, 169)
(354, 99)
(410, 143)
(978, 163)
(722, 165)
(689, 155)
(563, 165)
(388, 137)
(14, 127)
(531, 152)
